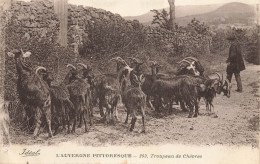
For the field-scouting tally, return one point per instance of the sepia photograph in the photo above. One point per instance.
(129, 81)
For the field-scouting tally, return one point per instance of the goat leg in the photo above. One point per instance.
(183, 107)
(143, 115)
(85, 115)
(196, 110)
(47, 112)
(127, 114)
(37, 123)
(63, 115)
(133, 121)
(191, 110)
(80, 121)
(101, 107)
(75, 118)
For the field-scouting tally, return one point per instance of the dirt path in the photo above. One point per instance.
(235, 124)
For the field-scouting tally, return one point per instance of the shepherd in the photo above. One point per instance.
(235, 62)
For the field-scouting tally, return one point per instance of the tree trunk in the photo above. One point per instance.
(61, 9)
(172, 14)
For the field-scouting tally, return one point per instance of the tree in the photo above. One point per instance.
(172, 14)
(161, 19)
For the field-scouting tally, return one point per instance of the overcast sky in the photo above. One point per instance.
(138, 7)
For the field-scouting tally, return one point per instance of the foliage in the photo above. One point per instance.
(252, 46)
(45, 52)
(161, 19)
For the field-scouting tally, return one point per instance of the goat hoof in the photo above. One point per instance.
(143, 131)
(190, 116)
(131, 129)
(195, 115)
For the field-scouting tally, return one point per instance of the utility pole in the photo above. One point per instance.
(61, 10)
(172, 14)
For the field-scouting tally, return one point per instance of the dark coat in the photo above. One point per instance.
(235, 59)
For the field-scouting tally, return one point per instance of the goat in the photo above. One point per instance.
(107, 87)
(79, 91)
(105, 83)
(213, 87)
(105, 90)
(194, 67)
(33, 91)
(61, 105)
(135, 100)
(149, 80)
(179, 88)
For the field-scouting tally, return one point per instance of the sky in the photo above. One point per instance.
(139, 7)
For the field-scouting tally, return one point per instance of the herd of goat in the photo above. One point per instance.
(73, 100)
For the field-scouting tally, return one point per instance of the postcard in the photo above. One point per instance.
(119, 81)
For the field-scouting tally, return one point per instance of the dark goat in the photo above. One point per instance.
(61, 105)
(190, 67)
(33, 91)
(107, 91)
(149, 80)
(79, 91)
(134, 100)
(107, 86)
(179, 88)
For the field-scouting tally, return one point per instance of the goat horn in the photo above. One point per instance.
(83, 65)
(72, 66)
(136, 60)
(184, 60)
(218, 75)
(193, 58)
(39, 68)
(141, 76)
(153, 62)
(22, 51)
(117, 59)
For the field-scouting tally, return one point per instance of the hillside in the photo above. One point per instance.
(181, 11)
(229, 13)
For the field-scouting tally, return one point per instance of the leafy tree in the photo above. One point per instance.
(161, 19)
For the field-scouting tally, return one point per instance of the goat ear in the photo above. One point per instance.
(10, 54)
(136, 78)
(142, 78)
(27, 54)
(202, 87)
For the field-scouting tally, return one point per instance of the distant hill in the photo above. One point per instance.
(230, 13)
(181, 11)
